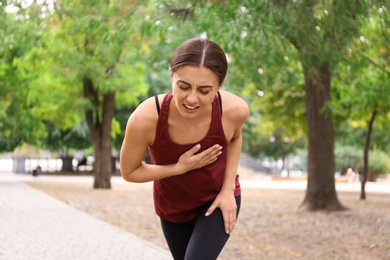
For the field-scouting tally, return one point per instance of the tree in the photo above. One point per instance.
(319, 31)
(88, 66)
(379, 102)
(258, 35)
(19, 32)
(366, 74)
(180, 20)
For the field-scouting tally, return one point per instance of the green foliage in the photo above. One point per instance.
(97, 41)
(252, 141)
(269, 43)
(19, 32)
(348, 157)
(58, 140)
(92, 40)
(351, 134)
(379, 163)
(352, 157)
(361, 85)
(255, 64)
(267, 52)
(276, 146)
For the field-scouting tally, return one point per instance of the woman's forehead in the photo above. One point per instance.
(196, 75)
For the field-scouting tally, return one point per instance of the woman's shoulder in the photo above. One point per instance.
(146, 113)
(234, 106)
(143, 121)
(148, 107)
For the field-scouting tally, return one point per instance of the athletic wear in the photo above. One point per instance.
(202, 238)
(180, 198)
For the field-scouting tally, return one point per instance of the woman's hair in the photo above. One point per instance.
(201, 53)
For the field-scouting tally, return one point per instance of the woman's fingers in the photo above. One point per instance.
(193, 160)
(229, 220)
(210, 155)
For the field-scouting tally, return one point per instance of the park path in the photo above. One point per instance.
(36, 226)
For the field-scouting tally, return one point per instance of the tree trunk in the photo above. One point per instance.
(102, 167)
(283, 165)
(321, 191)
(365, 156)
(99, 122)
(67, 163)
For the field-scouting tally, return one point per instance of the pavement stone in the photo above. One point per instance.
(34, 225)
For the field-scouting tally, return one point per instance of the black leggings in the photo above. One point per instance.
(202, 238)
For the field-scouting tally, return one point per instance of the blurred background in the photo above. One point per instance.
(314, 73)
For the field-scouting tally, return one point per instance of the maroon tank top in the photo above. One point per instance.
(179, 198)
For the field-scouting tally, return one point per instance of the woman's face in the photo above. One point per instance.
(194, 90)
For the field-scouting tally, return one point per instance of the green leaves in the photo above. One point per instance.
(85, 39)
(361, 84)
(117, 44)
(46, 56)
(19, 32)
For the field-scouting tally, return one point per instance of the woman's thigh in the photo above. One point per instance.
(202, 238)
(177, 236)
(208, 237)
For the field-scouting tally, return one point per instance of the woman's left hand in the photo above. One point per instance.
(226, 202)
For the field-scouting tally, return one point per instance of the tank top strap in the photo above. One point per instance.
(162, 125)
(220, 101)
(164, 110)
(216, 122)
(157, 104)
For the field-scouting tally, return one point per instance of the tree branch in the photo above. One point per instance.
(294, 43)
(182, 12)
(110, 70)
(376, 64)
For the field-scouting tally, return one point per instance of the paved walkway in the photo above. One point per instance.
(34, 225)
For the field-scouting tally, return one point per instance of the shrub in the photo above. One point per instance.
(378, 163)
(348, 157)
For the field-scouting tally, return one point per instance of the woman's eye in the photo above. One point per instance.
(204, 92)
(183, 87)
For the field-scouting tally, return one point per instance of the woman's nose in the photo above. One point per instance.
(192, 97)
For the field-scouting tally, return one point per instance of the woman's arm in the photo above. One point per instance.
(225, 199)
(140, 132)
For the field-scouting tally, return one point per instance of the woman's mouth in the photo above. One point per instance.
(191, 108)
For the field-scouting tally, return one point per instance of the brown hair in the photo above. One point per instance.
(201, 53)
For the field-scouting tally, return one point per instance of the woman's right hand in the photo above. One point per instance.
(190, 160)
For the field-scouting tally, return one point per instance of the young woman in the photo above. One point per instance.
(194, 137)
